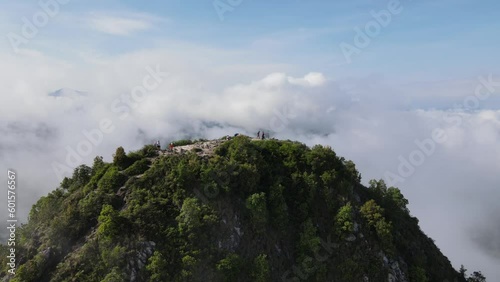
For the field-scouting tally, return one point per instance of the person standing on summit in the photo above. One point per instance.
(258, 134)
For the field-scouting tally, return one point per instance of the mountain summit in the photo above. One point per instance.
(67, 93)
(225, 210)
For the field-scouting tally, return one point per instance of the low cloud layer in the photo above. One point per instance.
(371, 120)
(122, 25)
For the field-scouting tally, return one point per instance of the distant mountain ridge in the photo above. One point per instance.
(68, 93)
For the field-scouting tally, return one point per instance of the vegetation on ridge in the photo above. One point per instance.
(253, 211)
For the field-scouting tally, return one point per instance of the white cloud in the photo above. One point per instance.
(121, 25)
(311, 79)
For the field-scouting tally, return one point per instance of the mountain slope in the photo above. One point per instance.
(253, 210)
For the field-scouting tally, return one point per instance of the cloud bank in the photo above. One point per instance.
(369, 120)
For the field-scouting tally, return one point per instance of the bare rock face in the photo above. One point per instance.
(351, 238)
(205, 148)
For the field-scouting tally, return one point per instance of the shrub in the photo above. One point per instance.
(344, 220)
(183, 142)
(256, 204)
(261, 270)
(111, 181)
(110, 223)
(157, 264)
(149, 151)
(120, 159)
(230, 267)
(138, 167)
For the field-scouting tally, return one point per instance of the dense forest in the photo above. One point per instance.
(254, 210)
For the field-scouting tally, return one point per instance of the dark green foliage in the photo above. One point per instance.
(230, 267)
(112, 180)
(183, 142)
(260, 211)
(391, 196)
(373, 214)
(396, 197)
(476, 276)
(81, 175)
(120, 159)
(309, 241)
(139, 167)
(148, 151)
(417, 274)
(110, 223)
(256, 204)
(116, 275)
(261, 271)
(278, 209)
(194, 216)
(156, 267)
(462, 271)
(97, 165)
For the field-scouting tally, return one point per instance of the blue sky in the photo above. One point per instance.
(264, 58)
(428, 39)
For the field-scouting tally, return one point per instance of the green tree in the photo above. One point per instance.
(158, 268)
(194, 217)
(230, 267)
(417, 274)
(309, 241)
(257, 206)
(139, 167)
(188, 264)
(344, 220)
(395, 195)
(109, 223)
(116, 275)
(261, 271)
(352, 171)
(82, 174)
(476, 276)
(120, 158)
(278, 209)
(463, 272)
(112, 180)
(97, 165)
(378, 186)
(372, 212)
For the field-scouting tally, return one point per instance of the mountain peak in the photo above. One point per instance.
(67, 93)
(231, 209)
